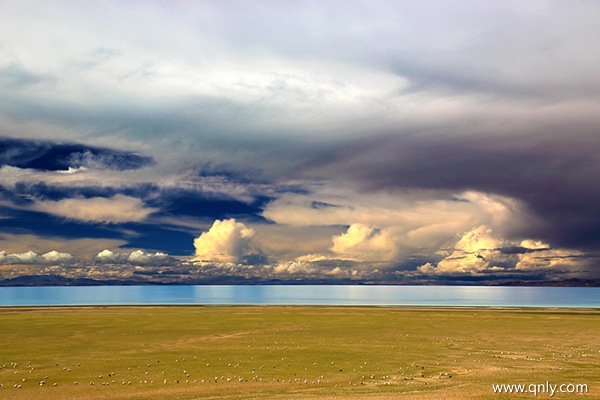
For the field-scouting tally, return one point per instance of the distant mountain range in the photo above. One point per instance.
(58, 280)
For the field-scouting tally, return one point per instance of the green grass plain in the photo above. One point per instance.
(277, 352)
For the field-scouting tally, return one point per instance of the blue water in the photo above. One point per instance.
(304, 295)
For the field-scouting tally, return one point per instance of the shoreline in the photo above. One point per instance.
(565, 309)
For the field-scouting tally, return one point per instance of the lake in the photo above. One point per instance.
(303, 295)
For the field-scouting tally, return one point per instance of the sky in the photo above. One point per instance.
(366, 141)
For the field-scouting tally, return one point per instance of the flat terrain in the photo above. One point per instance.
(274, 352)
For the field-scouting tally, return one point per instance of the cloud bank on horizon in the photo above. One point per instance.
(380, 141)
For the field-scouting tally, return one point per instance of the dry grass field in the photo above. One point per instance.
(276, 352)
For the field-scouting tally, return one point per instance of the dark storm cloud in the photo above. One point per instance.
(553, 174)
(52, 156)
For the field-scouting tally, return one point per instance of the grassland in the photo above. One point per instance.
(277, 352)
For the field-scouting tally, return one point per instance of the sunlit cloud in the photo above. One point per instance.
(476, 251)
(480, 251)
(225, 241)
(364, 243)
(542, 257)
(116, 209)
(391, 227)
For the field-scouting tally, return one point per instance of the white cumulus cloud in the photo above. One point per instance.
(141, 257)
(137, 257)
(107, 256)
(31, 257)
(55, 256)
(27, 257)
(225, 241)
